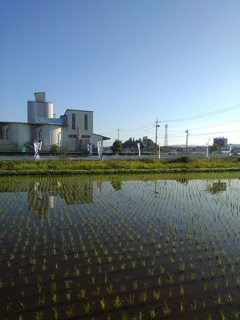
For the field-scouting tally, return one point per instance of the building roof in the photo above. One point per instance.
(104, 138)
(77, 110)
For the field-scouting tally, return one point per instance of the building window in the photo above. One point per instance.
(85, 122)
(73, 121)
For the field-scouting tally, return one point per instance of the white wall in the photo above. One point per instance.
(51, 134)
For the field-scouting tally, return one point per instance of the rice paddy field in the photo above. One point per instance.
(120, 247)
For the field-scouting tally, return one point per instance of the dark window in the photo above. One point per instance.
(73, 121)
(85, 122)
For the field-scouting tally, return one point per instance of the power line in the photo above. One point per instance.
(146, 126)
(227, 109)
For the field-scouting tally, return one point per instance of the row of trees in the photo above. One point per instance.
(118, 146)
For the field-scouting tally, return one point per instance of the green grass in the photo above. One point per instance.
(182, 164)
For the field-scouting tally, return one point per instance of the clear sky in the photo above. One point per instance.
(130, 61)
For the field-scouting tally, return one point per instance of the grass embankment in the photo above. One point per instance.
(150, 165)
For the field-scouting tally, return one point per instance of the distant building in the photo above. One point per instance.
(221, 142)
(73, 130)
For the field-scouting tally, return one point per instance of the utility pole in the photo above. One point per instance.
(157, 126)
(186, 140)
(166, 136)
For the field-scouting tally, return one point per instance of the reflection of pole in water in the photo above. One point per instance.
(155, 188)
(99, 188)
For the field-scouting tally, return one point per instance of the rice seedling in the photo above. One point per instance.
(103, 303)
(143, 297)
(219, 300)
(117, 303)
(56, 313)
(229, 298)
(156, 294)
(68, 295)
(236, 315)
(87, 308)
(55, 297)
(41, 300)
(110, 289)
(181, 307)
(153, 313)
(238, 282)
(135, 284)
(166, 309)
(181, 290)
(70, 311)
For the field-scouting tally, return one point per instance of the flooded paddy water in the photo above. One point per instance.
(120, 247)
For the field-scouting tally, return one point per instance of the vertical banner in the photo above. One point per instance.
(207, 152)
(37, 148)
(89, 148)
(139, 149)
(100, 147)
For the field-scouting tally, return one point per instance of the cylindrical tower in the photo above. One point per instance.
(51, 134)
(32, 111)
(39, 108)
(45, 109)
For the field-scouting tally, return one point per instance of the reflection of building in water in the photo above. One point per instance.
(40, 199)
(79, 192)
(45, 195)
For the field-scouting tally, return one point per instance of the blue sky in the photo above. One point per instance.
(130, 61)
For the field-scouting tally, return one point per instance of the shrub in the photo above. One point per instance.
(184, 159)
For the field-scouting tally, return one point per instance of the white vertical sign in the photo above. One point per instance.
(100, 147)
(139, 149)
(37, 148)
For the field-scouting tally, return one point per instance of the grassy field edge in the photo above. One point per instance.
(178, 165)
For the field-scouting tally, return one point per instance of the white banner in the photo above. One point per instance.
(139, 149)
(100, 147)
(37, 148)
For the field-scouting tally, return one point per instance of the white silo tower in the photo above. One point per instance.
(39, 108)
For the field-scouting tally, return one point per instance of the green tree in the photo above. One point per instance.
(213, 150)
(63, 152)
(117, 146)
(54, 149)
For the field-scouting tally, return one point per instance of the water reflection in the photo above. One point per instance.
(77, 193)
(40, 199)
(183, 179)
(216, 187)
(45, 194)
(117, 184)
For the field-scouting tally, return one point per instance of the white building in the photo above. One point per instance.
(73, 130)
